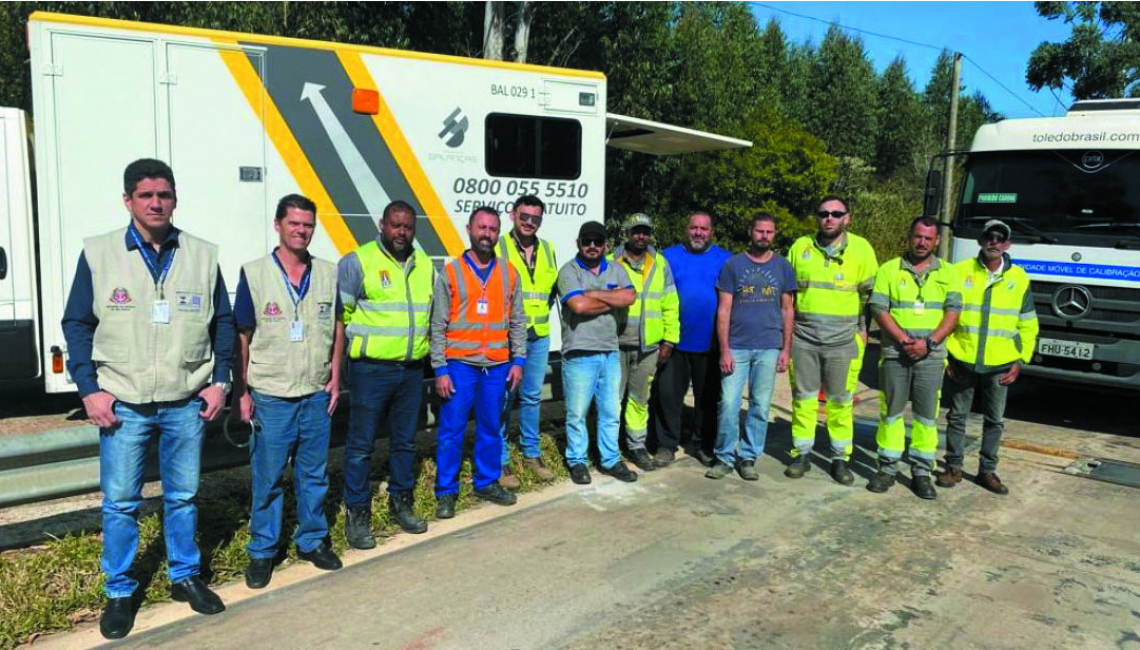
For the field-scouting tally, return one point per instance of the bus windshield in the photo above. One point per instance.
(1086, 197)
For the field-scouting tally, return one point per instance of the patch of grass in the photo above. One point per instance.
(53, 587)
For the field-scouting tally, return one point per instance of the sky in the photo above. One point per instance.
(994, 37)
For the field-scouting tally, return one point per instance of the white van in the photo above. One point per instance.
(245, 119)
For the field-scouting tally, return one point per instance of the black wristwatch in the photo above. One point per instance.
(930, 344)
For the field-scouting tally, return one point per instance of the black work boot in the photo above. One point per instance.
(799, 466)
(881, 482)
(840, 473)
(400, 507)
(358, 528)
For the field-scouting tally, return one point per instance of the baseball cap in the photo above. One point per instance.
(592, 228)
(637, 219)
(998, 225)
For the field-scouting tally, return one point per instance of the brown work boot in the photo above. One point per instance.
(991, 482)
(951, 477)
(538, 467)
(508, 480)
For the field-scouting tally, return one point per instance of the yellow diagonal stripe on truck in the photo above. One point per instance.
(406, 158)
(287, 146)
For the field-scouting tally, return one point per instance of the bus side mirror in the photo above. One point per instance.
(933, 196)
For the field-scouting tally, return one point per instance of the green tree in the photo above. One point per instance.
(1101, 55)
(844, 91)
(903, 126)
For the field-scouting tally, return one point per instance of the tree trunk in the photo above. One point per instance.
(493, 24)
(522, 31)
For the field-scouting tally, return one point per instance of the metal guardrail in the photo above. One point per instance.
(65, 462)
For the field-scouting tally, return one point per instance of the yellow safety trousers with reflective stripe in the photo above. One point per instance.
(840, 413)
(657, 308)
(536, 290)
(998, 325)
(391, 322)
(891, 433)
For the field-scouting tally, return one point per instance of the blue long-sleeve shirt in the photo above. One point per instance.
(79, 320)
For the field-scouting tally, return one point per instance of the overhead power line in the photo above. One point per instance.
(890, 37)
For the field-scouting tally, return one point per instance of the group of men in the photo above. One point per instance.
(153, 340)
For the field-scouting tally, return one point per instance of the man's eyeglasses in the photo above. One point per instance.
(998, 237)
(835, 214)
(536, 219)
(593, 241)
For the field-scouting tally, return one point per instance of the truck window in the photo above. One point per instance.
(529, 146)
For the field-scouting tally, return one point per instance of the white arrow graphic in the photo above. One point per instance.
(370, 190)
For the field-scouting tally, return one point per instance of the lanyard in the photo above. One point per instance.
(294, 295)
(152, 265)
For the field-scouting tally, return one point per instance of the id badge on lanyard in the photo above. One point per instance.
(296, 326)
(160, 310)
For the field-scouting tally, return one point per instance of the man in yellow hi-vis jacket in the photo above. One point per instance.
(996, 336)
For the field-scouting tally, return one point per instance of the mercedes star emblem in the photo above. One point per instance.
(1072, 302)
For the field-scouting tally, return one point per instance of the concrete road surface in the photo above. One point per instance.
(680, 561)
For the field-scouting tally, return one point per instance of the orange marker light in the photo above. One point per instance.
(56, 360)
(365, 102)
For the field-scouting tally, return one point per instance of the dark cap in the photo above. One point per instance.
(999, 226)
(592, 228)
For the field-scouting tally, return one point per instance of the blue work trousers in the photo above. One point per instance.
(178, 429)
(290, 427)
(485, 388)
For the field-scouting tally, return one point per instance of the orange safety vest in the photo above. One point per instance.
(480, 312)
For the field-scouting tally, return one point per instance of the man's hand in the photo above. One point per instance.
(514, 378)
(1011, 376)
(727, 365)
(863, 335)
(215, 399)
(443, 387)
(950, 371)
(783, 359)
(100, 407)
(245, 407)
(664, 353)
(333, 389)
(916, 349)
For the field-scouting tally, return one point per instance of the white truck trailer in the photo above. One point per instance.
(1069, 187)
(244, 119)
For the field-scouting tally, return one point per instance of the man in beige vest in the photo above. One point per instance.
(150, 338)
(286, 381)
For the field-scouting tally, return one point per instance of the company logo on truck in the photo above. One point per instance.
(1072, 301)
(454, 127)
(1092, 159)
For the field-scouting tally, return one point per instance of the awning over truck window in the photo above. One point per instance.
(659, 139)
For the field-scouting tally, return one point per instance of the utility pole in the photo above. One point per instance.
(948, 161)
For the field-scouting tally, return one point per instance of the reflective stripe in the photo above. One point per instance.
(1027, 315)
(907, 304)
(805, 284)
(805, 317)
(476, 327)
(369, 305)
(372, 330)
(535, 295)
(1000, 311)
(542, 320)
(971, 329)
(477, 345)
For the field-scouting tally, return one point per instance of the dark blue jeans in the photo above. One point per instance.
(297, 427)
(960, 394)
(378, 392)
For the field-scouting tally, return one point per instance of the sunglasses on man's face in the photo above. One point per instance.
(994, 237)
(593, 241)
(535, 219)
(834, 214)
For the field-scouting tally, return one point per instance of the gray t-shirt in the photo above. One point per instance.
(757, 289)
(581, 333)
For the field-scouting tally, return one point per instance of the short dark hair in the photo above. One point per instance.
(397, 206)
(146, 168)
(701, 212)
(295, 201)
(929, 222)
(483, 208)
(835, 197)
(530, 201)
(762, 216)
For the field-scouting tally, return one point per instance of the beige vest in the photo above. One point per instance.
(278, 366)
(139, 361)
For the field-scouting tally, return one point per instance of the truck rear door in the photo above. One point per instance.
(19, 335)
